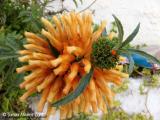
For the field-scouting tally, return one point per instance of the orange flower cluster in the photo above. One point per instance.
(54, 77)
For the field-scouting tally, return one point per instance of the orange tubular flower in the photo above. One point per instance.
(55, 77)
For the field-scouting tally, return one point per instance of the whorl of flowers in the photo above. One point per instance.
(55, 76)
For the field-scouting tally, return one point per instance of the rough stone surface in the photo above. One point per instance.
(130, 12)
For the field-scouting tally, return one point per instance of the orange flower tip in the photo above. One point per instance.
(32, 62)
(113, 52)
(56, 62)
(54, 17)
(43, 19)
(57, 71)
(43, 32)
(22, 99)
(21, 86)
(40, 107)
(61, 69)
(74, 50)
(34, 54)
(104, 23)
(27, 87)
(27, 34)
(125, 75)
(39, 89)
(49, 100)
(25, 46)
(119, 67)
(25, 78)
(22, 59)
(87, 68)
(122, 59)
(118, 83)
(18, 70)
(111, 35)
(65, 90)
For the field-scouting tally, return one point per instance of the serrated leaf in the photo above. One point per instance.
(120, 29)
(28, 19)
(23, 13)
(5, 104)
(8, 56)
(131, 36)
(73, 95)
(146, 55)
(3, 64)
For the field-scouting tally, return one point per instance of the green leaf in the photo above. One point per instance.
(131, 36)
(81, 86)
(146, 55)
(24, 13)
(125, 52)
(5, 104)
(131, 64)
(75, 2)
(3, 64)
(81, 1)
(8, 56)
(95, 27)
(29, 19)
(120, 30)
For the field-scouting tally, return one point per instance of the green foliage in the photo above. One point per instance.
(74, 94)
(131, 64)
(152, 81)
(119, 114)
(82, 116)
(113, 114)
(125, 49)
(9, 90)
(121, 88)
(116, 103)
(130, 37)
(9, 80)
(113, 27)
(76, 2)
(20, 16)
(102, 55)
(142, 89)
(120, 30)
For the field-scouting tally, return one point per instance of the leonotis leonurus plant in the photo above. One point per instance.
(71, 65)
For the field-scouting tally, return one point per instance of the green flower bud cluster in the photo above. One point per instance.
(103, 55)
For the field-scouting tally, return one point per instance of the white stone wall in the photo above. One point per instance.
(130, 12)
